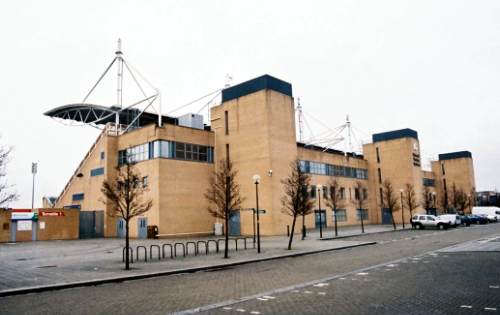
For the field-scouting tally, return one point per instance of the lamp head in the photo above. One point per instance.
(256, 179)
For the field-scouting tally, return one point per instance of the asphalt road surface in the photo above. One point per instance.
(405, 273)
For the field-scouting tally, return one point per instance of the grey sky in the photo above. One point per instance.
(429, 65)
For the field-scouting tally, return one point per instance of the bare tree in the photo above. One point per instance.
(124, 199)
(444, 202)
(224, 197)
(455, 197)
(360, 200)
(334, 200)
(296, 200)
(410, 198)
(461, 200)
(6, 194)
(389, 199)
(427, 201)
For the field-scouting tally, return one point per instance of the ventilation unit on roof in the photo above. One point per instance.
(192, 121)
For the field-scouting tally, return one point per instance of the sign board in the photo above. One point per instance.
(263, 211)
(24, 225)
(51, 214)
(23, 216)
(41, 224)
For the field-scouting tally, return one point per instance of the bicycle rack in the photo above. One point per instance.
(151, 251)
(216, 245)
(183, 249)
(223, 241)
(145, 253)
(131, 250)
(171, 250)
(198, 248)
(194, 247)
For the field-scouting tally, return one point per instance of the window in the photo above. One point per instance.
(313, 191)
(102, 155)
(325, 192)
(180, 151)
(78, 197)
(378, 155)
(442, 169)
(342, 193)
(134, 154)
(226, 121)
(341, 215)
(145, 182)
(362, 212)
(356, 194)
(381, 192)
(365, 194)
(429, 182)
(333, 170)
(227, 153)
(379, 176)
(97, 171)
(444, 183)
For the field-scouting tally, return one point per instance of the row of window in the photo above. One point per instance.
(327, 191)
(342, 215)
(333, 170)
(166, 149)
(97, 171)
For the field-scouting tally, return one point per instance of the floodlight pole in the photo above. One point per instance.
(119, 83)
(34, 167)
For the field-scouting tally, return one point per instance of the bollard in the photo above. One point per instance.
(288, 230)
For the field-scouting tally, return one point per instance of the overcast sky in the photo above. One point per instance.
(432, 66)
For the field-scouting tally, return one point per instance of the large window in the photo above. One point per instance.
(97, 171)
(168, 150)
(429, 182)
(341, 215)
(333, 170)
(362, 212)
(78, 197)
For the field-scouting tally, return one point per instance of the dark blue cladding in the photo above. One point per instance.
(455, 155)
(261, 83)
(396, 134)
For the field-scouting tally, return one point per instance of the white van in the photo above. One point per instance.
(493, 213)
(452, 219)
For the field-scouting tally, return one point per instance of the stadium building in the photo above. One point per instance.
(255, 127)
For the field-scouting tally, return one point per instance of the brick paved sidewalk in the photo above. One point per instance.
(59, 262)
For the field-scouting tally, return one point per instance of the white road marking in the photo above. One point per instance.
(354, 279)
(319, 285)
(465, 306)
(342, 278)
(269, 297)
(494, 286)
(392, 265)
(261, 299)
(307, 292)
(321, 293)
(240, 310)
(296, 291)
(227, 308)
(490, 309)
(254, 312)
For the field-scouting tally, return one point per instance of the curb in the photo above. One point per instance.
(360, 234)
(53, 287)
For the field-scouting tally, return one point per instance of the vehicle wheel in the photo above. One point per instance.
(440, 226)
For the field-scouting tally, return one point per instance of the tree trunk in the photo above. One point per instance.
(392, 219)
(335, 221)
(226, 228)
(290, 240)
(127, 244)
(303, 227)
(362, 222)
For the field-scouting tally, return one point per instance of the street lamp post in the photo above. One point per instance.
(256, 180)
(34, 168)
(319, 211)
(402, 209)
(470, 204)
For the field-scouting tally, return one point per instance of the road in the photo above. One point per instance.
(364, 280)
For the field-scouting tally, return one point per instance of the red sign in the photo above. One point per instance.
(22, 210)
(51, 214)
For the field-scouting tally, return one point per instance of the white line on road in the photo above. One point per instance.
(490, 309)
(241, 310)
(494, 286)
(466, 306)
(255, 312)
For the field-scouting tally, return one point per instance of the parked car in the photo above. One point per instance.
(492, 213)
(465, 220)
(482, 219)
(421, 221)
(473, 219)
(452, 219)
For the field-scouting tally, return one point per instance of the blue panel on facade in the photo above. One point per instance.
(396, 134)
(77, 197)
(455, 155)
(261, 83)
(97, 171)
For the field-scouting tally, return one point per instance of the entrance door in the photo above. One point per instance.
(120, 228)
(234, 223)
(142, 227)
(317, 218)
(386, 216)
(91, 224)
